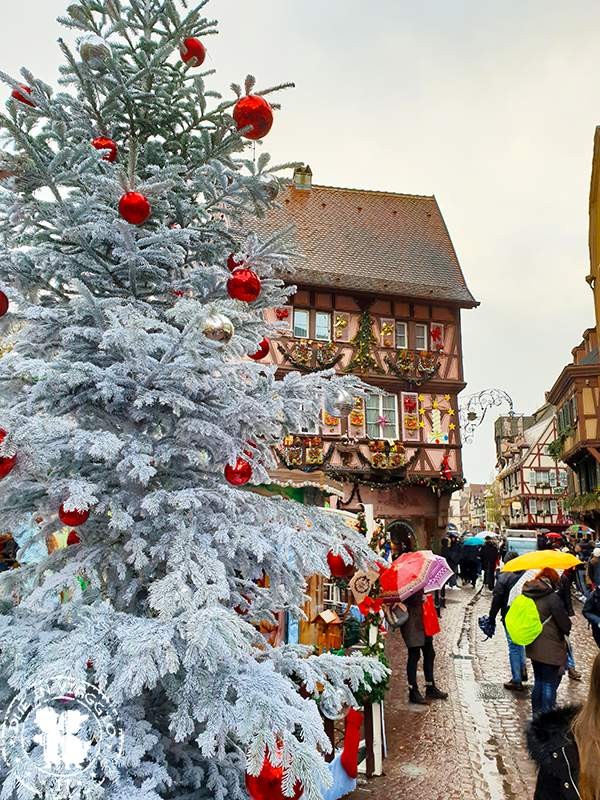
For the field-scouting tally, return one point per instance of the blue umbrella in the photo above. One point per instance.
(474, 541)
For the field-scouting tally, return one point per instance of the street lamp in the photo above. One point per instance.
(472, 410)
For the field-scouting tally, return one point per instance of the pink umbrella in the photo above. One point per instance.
(413, 572)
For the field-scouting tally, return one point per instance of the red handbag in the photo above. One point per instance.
(431, 623)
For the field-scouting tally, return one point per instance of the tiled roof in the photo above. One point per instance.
(370, 241)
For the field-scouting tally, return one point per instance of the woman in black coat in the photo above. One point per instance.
(565, 745)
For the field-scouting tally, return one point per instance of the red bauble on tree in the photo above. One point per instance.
(3, 304)
(244, 285)
(338, 567)
(104, 143)
(7, 463)
(134, 208)
(232, 263)
(73, 538)
(255, 114)
(268, 785)
(21, 93)
(239, 474)
(72, 518)
(263, 350)
(193, 52)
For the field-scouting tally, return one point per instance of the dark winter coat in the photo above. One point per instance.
(564, 590)
(489, 555)
(552, 747)
(412, 631)
(593, 571)
(591, 611)
(550, 647)
(504, 583)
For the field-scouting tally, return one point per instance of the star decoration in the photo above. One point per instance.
(435, 404)
(451, 412)
(452, 426)
(447, 398)
(422, 398)
(422, 412)
(421, 424)
(382, 421)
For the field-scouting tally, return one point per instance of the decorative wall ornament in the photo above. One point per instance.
(310, 356)
(414, 366)
(364, 358)
(473, 409)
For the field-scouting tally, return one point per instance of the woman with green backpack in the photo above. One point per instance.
(538, 619)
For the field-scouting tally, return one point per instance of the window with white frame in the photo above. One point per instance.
(323, 326)
(421, 338)
(532, 478)
(381, 416)
(533, 507)
(553, 479)
(401, 336)
(553, 508)
(543, 476)
(301, 321)
(563, 477)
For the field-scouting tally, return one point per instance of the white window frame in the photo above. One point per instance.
(553, 478)
(401, 326)
(554, 508)
(540, 479)
(298, 311)
(533, 507)
(425, 329)
(381, 432)
(532, 477)
(327, 315)
(563, 477)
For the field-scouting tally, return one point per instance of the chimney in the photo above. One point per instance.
(303, 177)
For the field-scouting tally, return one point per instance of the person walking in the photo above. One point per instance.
(591, 611)
(593, 568)
(565, 744)
(489, 562)
(564, 592)
(417, 641)
(548, 652)
(500, 603)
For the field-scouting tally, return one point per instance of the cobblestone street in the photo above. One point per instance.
(471, 747)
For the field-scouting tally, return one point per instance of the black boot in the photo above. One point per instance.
(433, 693)
(415, 696)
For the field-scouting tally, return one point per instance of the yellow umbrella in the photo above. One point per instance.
(538, 559)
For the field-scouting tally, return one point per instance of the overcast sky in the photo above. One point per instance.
(491, 106)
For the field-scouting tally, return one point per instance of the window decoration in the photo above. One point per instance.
(364, 358)
(436, 334)
(341, 323)
(356, 420)
(410, 416)
(388, 332)
(381, 416)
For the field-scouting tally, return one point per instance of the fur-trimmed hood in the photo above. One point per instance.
(547, 733)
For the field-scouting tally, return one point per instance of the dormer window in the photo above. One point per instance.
(323, 326)
(301, 320)
(421, 338)
(312, 324)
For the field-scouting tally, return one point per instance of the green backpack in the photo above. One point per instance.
(523, 622)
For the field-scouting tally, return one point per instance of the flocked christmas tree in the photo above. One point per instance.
(133, 291)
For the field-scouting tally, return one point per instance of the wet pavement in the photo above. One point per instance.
(472, 746)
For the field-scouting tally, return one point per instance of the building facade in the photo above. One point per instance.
(576, 391)
(379, 295)
(533, 484)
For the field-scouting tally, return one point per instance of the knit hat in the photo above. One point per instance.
(596, 552)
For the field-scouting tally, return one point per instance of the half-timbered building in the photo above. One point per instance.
(533, 482)
(379, 294)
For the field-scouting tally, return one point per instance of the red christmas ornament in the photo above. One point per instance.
(244, 285)
(72, 518)
(338, 567)
(7, 463)
(193, 52)
(73, 538)
(134, 208)
(268, 785)
(263, 350)
(253, 112)
(239, 474)
(3, 304)
(22, 98)
(232, 263)
(104, 143)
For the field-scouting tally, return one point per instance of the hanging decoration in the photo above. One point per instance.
(193, 52)
(7, 463)
(446, 470)
(244, 285)
(340, 404)
(218, 328)
(268, 785)
(3, 304)
(239, 474)
(74, 517)
(73, 538)
(93, 49)
(338, 567)
(134, 208)
(436, 333)
(263, 350)
(104, 143)
(363, 358)
(254, 114)
(21, 93)
(233, 263)
(410, 416)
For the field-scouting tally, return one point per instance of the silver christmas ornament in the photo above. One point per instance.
(218, 328)
(339, 404)
(93, 49)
